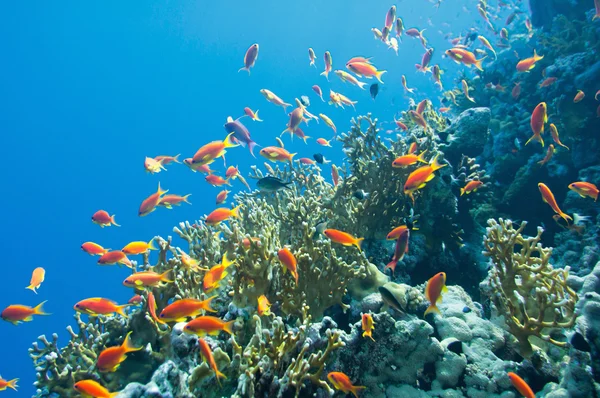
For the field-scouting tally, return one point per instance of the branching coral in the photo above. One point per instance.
(533, 296)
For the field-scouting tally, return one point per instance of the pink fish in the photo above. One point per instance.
(319, 92)
(250, 58)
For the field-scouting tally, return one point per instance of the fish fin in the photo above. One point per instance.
(160, 192)
(120, 309)
(356, 389)
(206, 303)
(214, 333)
(435, 165)
(444, 289)
(128, 344)
(28, 319)
(566, 217)
(39, 309)
(432, 308)
(378, 75)
(185, 198)
(164, 277)
(113, 222)
(244, 68)
(176, 158)
(32, 288)
(421, 158)
(462, 191)
(251, 146)
(235, 212)
(478, 63)
(12, 384)
(430, 177)
(151, 245)
(228, 143)
(228, 327)
(358, 243)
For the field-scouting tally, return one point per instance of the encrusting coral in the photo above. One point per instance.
(524, 287)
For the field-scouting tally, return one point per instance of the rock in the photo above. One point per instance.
(468, 134)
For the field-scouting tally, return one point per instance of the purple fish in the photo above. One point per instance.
(240, 133)
(250, 57)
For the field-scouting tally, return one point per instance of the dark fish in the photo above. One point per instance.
(456, 347)
(374, 90)
(579, 343)
(318, 158)
(240, 133)
(466, 310)
(271, 184)
(305, 100)
(360, 194)
(319, 228)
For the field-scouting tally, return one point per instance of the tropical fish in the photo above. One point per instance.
(203, 168)
(319, 92)
(37, 277)
(548, 156)
(418, 178)
(165, 160)
(296, 117)
(516, 91)
(414, 32)
(335, 175)
(374, 90)
(277, 154)
(272, 184)
(487, 45)
(548, 82)
(12, 384)
(347, 77)
(548, 197)
(528, 64)
(221, 214)
(306, 161)
(399, 28)
(521, 386)
(289, 262)
(377, 33)
(409, 159)
(208, 356)
(471, 186)
(180, 310)
(393, 44)
(585, 189)
(145, 279)
(213, 150)
(423, 67)
(460, 55)
(115, 257)
(437, 76)
(328, 63)
(539, 116)
(579, 96)
(312, 57)
(433, 292)
(99, 306)
(400, 249)
(418, 119)
(94, 249)
(342, 382)
(319, 158)
(465, 88)
(343, 238)
(359, 59)
(366, 70)
(248, 242)
(264, 307)
(222, 196)
(274, 99)
(153, 166)
(149, 204)
(328, 122)
(390, 16)
(421, 106)
(239, 133)
(555, 137)
(210, 325)
(91, 388)
(151, 304)
(216, 180)
(409, 90)
(102, 218)
(169, 201)
(135, 300)
(111, 358)
(189, 262)
(401, 125)
(413, 148)
(367, 326)
(250, 58)
(253, 115)
(17, 313)
(216, 274)
(139, 247)
(385, 33)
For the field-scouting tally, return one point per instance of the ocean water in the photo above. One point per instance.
(89, 89)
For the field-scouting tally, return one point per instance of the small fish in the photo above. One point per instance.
(248, 242)
(17, 313)
(37, 277)
(153, 166)
(399, 27)
(272, 98)
(460, 55)
(516, 91)
(102, 218)
(437, 76)
(272, 184)
(359, 59)
(151, 202)
(367, 326)
(433, 292)
(390, 17)
(418, 178)
(277, 154)
(91, 388)
(374, 90)
(335, 175)
(343, 238)
(328, 122)
(401, 125)
(111, 358)
(421, 106)
(471, 186)
(145, 279)
(151, 305)
(319, 158)
(408, 90)
(250, 58)
(264, 307)
(12, 384)
(423, 67)
(189, 262)
(203, 168)
(579, 96)
(100, 306)
(94, 249)
(319, 92)
(521, 386)
(323, 142)
(361, 194)
(221, 214)
(289, 262)
(115, 257)
(465, 88)
(180, 310)
(136, 300)
(216, 274)
(216, 180)
(238, 133)
(377, 33)
(139, 247)
(347, 77)
(312, 57)
(222, 196)
(347, 101)
(487, 45)
(400, 249)
(253, 115)
(169, 201)
(549, 154)
(165, 160)
(342, 382)
(418, 119)
(412, 148)
(320, 229)
(539, 117)
(555, 137)
(548, 197)
(409, 159)
(585, 189)
(210, 325)
(305, 101)
(504, 34)
(366, 70)
(328, 63)
(208, 356)
(528, 64)
(548, 82)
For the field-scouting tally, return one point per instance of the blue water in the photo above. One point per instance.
(88, 89)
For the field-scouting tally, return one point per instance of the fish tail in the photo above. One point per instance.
(12, 384)
(206, 304)
(219, 375)
(421, 158)
(566, 217)
(251, 146)
(478, 63)
(435, 165)
(244, 68)
(391, 265)
(537, 138)
(462, 191)
(236, 211)
(595, 17)
(432, 308)
(120, 309)
(176, 158)
(32, 288)
(256, 118)
(160, 192)
(128, 344)
(358, 243)
(39, 309)
(228, 142)
(355, 389)
(292, 157)
(164, 277)
(536, 56)
(362, 85)
(228, 327)
(113, 222)
(185, 198)
(151, 245)
(285, 106)
(378, 75)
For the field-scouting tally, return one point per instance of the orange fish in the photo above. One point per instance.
(579, 96)
(250, 58)
(208, 356)
(115, 257)
(94, 249)
(189, 262)
(180, 310)
(555, 137)
(521, 386)
(395, 233)
(412, 148)
(307, 161)
(418, 178)
(100, 306)
(139, 247)
(400, 249)
(221, 214)
(213, 150)
(216, 274)
(548, 156)
(335, 175)
(210, 325)
(135, 300)
(539, 116)
(443, 109)
(323, 141)
(149, 204)
(342, 382)
(165, 160)
(91, 388)
(472, 186)
(253, 115)
(17, 313)
(548, 197)
(460, 55)
(528, 64)
(516, 91)
(232, 172)
(151, 304)
(153, 166)
(421, 106)
(111, 358)
(401, 126)
(277, 154)
(368, 326)
(37, 277)
(343, 238)
(146, 279)
(169, 201)
(222, 196)
(12, 384)
(217, 181)
(289, 262)
(584, 189)
(102, 218)
(363, 69)
(203, 168)
(274, 99)
(433, 292)
(548, 82)
(296, 117)
(410, 159)
(264, 307)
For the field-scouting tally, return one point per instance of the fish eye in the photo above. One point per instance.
(77, 306)
(162, 315)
